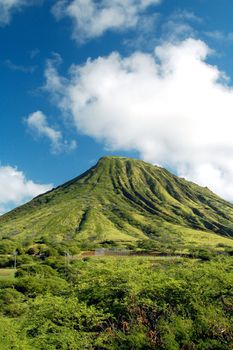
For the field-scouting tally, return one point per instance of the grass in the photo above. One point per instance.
(7, 274)
(197, 238)
(205, 238)
(123, 200)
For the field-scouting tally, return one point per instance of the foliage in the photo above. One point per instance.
(171, 291)
(163, 303)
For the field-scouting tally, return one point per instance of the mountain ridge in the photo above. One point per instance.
(121, 199)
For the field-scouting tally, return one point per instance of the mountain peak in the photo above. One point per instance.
(121, 199)
(117, 158)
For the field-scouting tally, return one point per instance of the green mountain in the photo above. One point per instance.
(123, 200)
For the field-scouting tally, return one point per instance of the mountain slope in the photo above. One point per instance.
(122, 199)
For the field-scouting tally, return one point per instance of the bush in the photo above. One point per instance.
(35, 285)
(204, 254)
(6, 261)
(12, 302)
(7, 247)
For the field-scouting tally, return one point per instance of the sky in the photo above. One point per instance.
(81, 79)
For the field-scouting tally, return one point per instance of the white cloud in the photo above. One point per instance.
(16, 189)
(171, 106)
(179, 26)
(8, 7)
(34, 53)
(220, 36)
(184, 15)
(20, 68)
(92, 18)
(37, 123)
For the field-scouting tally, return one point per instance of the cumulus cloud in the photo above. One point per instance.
(171, 106)
(8, 7)
(38, 125)
(93, 18)
(16, 189)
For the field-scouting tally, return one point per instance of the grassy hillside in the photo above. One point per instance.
(123, 200)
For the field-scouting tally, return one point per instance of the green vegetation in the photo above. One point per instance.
(119, 303)
(120, 200)
(168, 287)
(7, 274)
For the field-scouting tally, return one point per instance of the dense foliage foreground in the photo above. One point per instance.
(118, 303)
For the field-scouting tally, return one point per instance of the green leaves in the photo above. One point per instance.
(105, 303)
(62, 323)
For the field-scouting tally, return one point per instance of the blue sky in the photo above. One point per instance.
(81, 79)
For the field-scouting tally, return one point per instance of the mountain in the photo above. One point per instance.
(123, 200)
